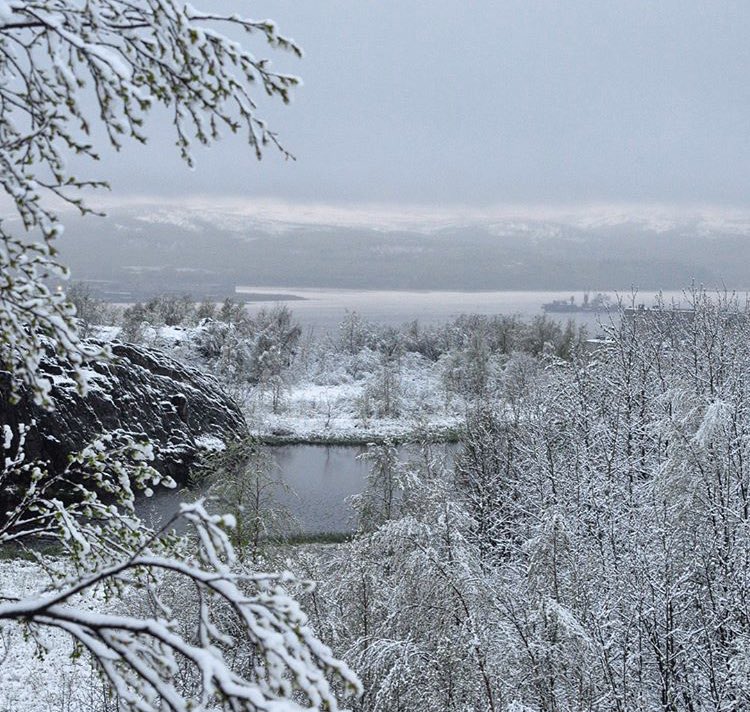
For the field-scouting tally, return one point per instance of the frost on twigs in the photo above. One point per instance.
(128, 56)
(245, 645)
(34, 318)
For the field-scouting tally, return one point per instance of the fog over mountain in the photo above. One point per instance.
(205, 248)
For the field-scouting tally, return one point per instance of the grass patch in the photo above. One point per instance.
(319, 538)
(443, 435)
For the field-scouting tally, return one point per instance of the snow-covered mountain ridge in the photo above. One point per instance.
(207, 250)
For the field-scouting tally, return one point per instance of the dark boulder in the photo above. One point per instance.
(141, 391)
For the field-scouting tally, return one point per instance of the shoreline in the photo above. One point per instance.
(441, 435)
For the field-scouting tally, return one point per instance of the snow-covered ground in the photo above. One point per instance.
(334, 396)
(42, 674)
(314, 413)
(334, 406)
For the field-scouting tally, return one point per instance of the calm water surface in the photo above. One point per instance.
(320, 479)
(324, 309)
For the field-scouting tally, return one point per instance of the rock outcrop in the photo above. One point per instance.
(140, 391)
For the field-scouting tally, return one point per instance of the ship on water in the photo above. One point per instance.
(567, 306)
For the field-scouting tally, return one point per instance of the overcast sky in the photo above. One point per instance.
(482, 102)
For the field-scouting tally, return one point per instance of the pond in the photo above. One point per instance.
(321, 479)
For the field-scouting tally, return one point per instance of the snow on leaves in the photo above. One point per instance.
(129, 56)
(249, 645)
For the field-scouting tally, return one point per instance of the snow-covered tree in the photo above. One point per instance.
(590, 548)
(56, 57)
(406, 600)
(386, 480)
(241, 480)
(88, 509)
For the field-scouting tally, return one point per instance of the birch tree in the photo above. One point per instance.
(56, 57)
(129, 56)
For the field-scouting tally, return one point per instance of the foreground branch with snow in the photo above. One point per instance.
(247, 646)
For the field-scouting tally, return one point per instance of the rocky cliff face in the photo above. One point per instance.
(140, 391)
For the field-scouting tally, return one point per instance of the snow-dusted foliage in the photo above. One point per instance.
(588, 550)
(240, 479)
(127, 56)
(247, 646)
(409, 601)
(365, 381)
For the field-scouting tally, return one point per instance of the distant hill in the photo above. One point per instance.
(193, 252)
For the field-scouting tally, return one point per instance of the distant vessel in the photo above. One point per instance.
(567, 306)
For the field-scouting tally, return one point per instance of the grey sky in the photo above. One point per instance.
(488, 102)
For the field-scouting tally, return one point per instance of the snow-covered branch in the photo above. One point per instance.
(240, 615)
(129, 56)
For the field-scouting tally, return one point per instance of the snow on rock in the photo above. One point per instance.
(211, 443)
(106, 333)
(141, 391)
